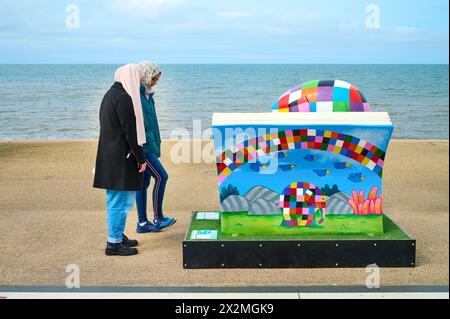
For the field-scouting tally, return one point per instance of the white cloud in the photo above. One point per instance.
(232, 14)
(145, 8)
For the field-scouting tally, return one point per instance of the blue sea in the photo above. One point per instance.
(53, 102)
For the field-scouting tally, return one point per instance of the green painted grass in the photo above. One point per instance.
(242, 224)
(391, 230)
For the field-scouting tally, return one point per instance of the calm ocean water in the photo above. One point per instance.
(62, 101)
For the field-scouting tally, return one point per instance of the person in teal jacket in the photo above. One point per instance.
(152, 152)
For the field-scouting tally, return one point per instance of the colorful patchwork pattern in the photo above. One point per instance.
(322, 96)
(300, 202)
(350, 146)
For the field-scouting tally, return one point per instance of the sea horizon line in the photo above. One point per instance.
(222, 63)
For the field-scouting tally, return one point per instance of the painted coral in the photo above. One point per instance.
(369, 206)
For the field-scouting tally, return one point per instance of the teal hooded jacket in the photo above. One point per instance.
(152, 134)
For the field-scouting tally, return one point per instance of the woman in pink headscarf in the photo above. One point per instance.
(120, 160)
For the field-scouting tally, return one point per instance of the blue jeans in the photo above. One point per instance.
(118, 204)
(156, 170)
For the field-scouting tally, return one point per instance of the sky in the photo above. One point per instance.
(225, 31)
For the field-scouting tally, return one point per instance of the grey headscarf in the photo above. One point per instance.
(151, 69)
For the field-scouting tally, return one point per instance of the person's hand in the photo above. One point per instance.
(142, 167)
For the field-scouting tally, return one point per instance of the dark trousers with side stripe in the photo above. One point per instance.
(156, 170)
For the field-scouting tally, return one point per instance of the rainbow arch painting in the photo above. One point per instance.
(369, 155)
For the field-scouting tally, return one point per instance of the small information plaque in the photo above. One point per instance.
(208, 216)
(204, 234)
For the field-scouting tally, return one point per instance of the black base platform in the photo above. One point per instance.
(394, 249)
(298, 254)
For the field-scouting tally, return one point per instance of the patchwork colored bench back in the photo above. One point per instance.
(322, 96)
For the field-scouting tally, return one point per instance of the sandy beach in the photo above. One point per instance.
(52, 217)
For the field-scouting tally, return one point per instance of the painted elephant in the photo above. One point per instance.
(299, 204)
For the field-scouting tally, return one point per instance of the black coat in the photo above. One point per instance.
(118, 153)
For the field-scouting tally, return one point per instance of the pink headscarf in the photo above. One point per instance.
(130, 76)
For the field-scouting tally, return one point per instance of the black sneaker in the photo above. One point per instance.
(119, 250)
(129, 242)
